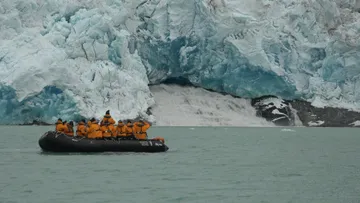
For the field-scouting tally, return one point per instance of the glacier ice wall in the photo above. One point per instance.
(293, 49)
(103, 54)
(66, 72)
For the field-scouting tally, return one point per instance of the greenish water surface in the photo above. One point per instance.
(204, 164)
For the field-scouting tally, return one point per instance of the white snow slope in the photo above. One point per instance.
(78, 58)
(189, 106)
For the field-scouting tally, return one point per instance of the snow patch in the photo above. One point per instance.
(190, 106)
(356, 123)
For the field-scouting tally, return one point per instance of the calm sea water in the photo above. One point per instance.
(277, 165)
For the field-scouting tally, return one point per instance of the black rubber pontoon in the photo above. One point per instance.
(53, 141)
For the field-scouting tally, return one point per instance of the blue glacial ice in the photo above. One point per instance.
(78, 58)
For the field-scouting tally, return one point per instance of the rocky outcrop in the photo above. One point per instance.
(282, 113)
(274, 109)
(325, 117)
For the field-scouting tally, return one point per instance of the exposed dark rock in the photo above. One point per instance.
(274, 109)
(324, 117)
(148, 111)
(184, 82)
(280, 113)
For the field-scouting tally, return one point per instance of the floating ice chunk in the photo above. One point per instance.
(317, 123)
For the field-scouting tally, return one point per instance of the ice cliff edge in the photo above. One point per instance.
(79, 58)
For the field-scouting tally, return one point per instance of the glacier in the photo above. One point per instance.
(77, 58)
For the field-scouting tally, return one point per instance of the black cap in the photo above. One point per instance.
(59, 119)
(83, 120)
(93, 119)
(107, 112)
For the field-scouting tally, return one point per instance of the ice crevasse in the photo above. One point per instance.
(78, 58)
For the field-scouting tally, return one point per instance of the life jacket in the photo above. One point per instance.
(121, 130)
(69, 130)
(106, 131)
(59, 126)
(139, 130)
(161, 139)
(81, 129)
(129, 129)
(113, 130)
(109, 119)
(94, 131)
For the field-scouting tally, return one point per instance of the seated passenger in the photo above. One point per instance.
(81, 129)
(113, 130)
(130, 130)
(59, 126)
(140, 129)
(94, 131)
(69, 128)
(107, 130)
(121, 130)
(108, 118)
(65, 126)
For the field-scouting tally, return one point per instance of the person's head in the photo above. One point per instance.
(140, 123)
(58, 121)
(93, 120)
(83, 120)
(107, 112)
(71, 123)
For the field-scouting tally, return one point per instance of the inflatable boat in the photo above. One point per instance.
(53, 141)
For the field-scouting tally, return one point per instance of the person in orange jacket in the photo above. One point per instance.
(81, 129)
(140, 129)
(69, 128)
(94, 131)
(88, 124)
(59, 126)
(130, 130)
(113, 130)
(107, 130)
(108, 118)
(121, 130)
